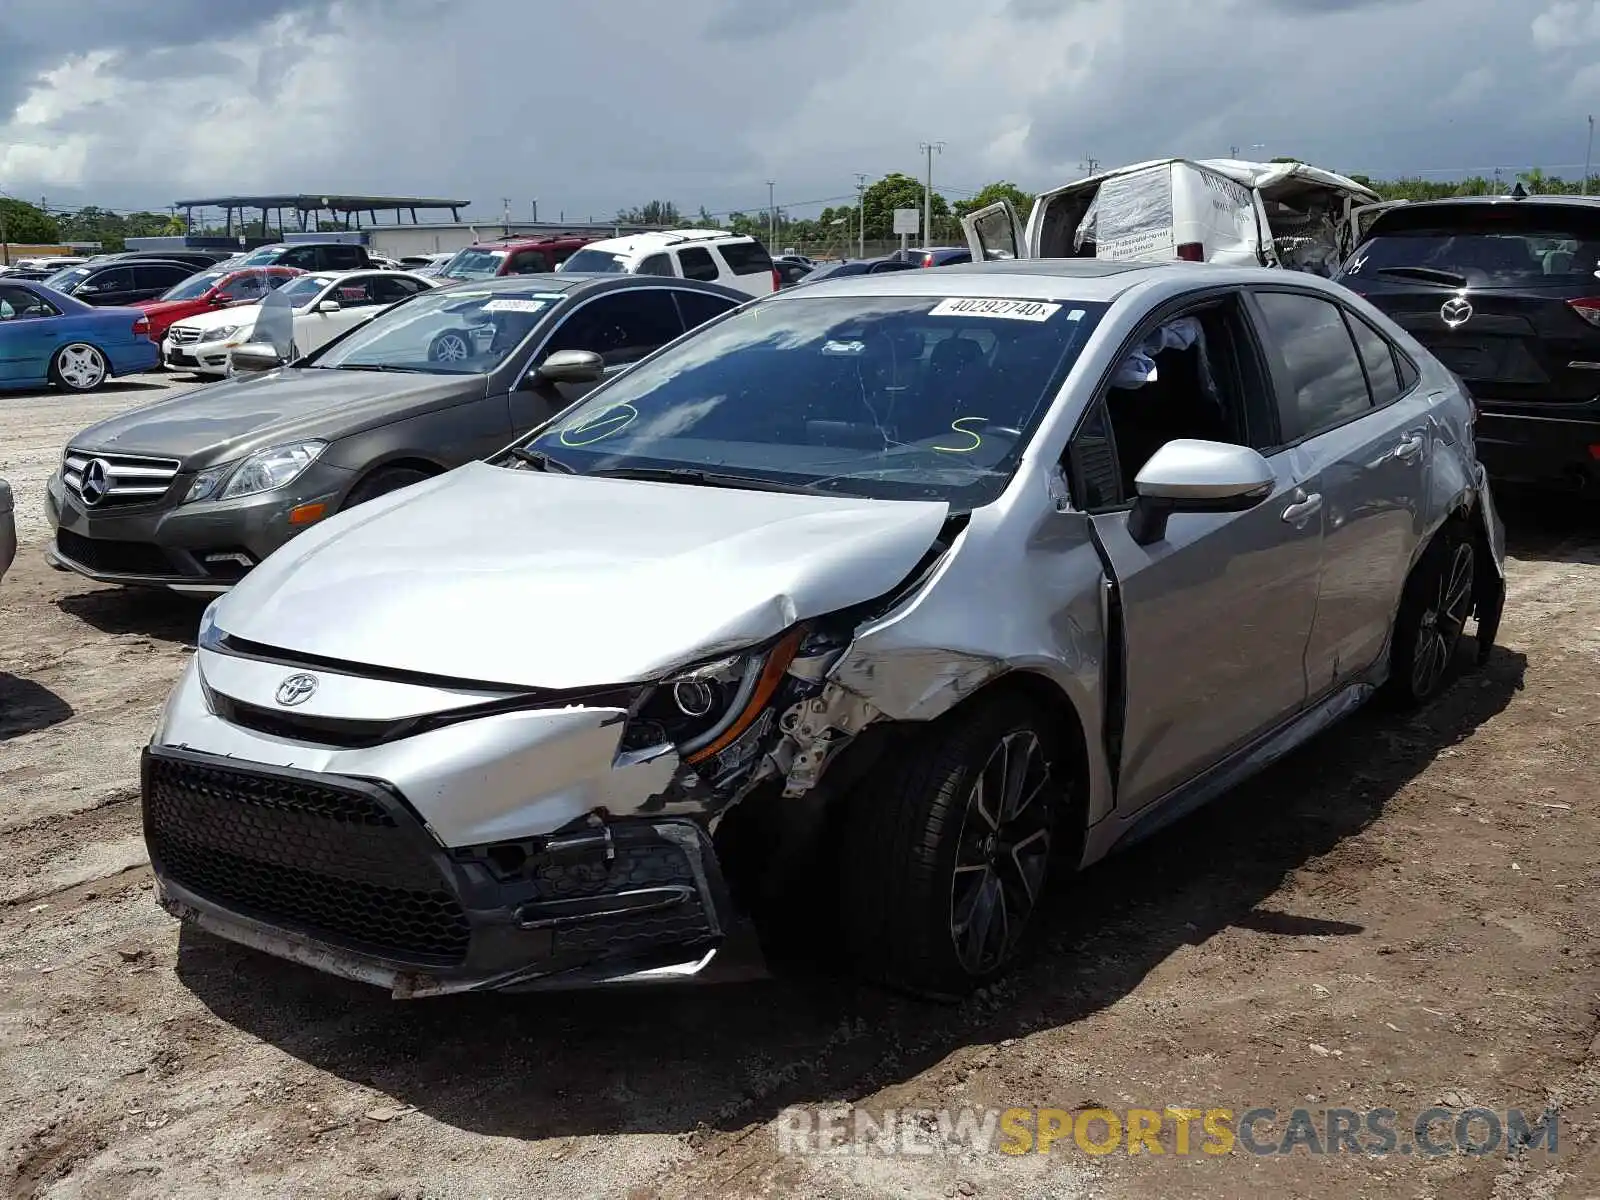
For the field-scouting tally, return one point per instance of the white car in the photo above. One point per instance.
(325, 304)
(710, 255)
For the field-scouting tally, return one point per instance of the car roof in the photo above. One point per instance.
(1537, 199)
(639, 243)
(529, 243)
(584, 281)
(1085, 279)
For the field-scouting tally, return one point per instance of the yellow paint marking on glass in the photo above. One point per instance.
(959, 426)
(600, 426)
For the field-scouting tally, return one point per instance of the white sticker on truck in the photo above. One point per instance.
(1006, 310)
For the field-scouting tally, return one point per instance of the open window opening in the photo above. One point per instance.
(1196, 375)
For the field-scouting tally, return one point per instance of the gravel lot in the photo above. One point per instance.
(1399, 915)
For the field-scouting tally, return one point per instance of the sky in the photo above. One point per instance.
(592, 107)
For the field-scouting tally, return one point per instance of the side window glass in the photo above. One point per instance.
(18, 303)
(344, 258)
(389, 291)
(353, 293)
(1409, 377)
(698, 308)
(1377, 356)
(620, 329)
(656, 264)
(1325, 373)
(527, 262)
(697, 263)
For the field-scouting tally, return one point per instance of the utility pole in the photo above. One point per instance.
(772, 214)
(861, 213)
(1588, 156)
(536, 210)
(505, 219)
(1090, 164)
(927, 193)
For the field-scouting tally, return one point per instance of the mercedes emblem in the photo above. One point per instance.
(296, 689)
(1456, 312)
(96, 481)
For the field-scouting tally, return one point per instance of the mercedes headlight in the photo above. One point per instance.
(219, 333)
(705, 709)
(263, 471)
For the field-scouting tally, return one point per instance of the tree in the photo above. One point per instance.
(992, 194)
(26, 224)
(656, 212)
(896, 191)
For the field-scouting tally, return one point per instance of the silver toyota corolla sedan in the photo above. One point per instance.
(891, 600)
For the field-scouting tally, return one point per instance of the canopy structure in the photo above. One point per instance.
(307, 210)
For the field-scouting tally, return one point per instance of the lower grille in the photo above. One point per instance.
(113, 557)
(320, 858)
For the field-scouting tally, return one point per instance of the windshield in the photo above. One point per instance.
(301, 290)
(596, 262)
(472, 263)
(264, 257)
(1491, 247)
(66, 280)
(443, 333)
(194, 286)
(892, 397)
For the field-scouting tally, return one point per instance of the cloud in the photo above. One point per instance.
(624, 102)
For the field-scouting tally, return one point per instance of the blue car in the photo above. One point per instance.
(46, 337)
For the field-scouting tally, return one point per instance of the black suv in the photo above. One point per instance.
(1505, 290)
(120, 280)
(310, 256)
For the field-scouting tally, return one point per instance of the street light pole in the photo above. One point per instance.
(1587, 157)
(927, 195)
(772, 214)
(861, 212)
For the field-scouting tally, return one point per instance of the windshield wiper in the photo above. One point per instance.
(698, 478)
(540, 461)
(372, 367)
(1430, 274)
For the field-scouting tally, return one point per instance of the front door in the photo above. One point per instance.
(1214, 615)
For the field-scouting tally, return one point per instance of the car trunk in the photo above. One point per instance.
(1497, 291)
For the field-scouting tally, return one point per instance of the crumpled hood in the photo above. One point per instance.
(562, 581)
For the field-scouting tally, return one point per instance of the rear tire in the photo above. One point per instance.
(947, 849)
(383, 481)
(1434, 608)
(79, 367)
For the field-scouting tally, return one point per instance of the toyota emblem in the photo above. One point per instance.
(296, 689)
(1456, 312)
(96, 481)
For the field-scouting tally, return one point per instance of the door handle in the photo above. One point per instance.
(1302, 509)
(1410, 447)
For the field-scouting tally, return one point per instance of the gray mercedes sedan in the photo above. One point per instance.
(893, 599)
(194, 491)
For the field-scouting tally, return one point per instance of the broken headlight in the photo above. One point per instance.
(707, 708)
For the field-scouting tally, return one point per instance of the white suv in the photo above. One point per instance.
(713, 255)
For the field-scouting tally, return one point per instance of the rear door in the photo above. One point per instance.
(1362, 430)
(112, 286)
(152, 279)
(1503, 292)
(995, 232)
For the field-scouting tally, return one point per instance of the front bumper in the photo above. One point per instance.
(340, 874)
(204, 548)
(1542, 447)
(8, 530)
(201, 358)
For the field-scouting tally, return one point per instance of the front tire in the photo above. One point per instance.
(948, 850)
(1434, 608)
(79, 367)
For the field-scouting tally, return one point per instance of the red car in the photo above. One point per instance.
(512, 256)
(212, 289)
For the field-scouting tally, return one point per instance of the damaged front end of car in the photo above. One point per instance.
(459, 836)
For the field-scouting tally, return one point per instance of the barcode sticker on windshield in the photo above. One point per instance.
(1008, 310)
(516, 305)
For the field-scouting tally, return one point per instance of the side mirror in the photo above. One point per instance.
(255, 356)
(571, 366)
(329, 306)
(1187, 475)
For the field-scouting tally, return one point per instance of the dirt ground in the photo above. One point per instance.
(1401, 914)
